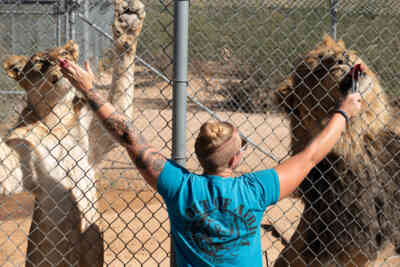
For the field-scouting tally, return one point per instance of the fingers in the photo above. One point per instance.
(80, 78)
(352, 104)
(88, 68)
(72, 70)
(353, 95)
(66, 67)
(63, 63)
(356, 96)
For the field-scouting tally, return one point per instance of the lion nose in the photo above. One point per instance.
(126, 46)
(45, 65)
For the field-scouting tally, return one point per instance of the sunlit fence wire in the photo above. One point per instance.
(240, 51)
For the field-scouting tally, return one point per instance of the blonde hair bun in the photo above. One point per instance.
(212, 135)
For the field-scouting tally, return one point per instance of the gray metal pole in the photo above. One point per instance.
(181, 30)
(67, 26)
(72, 23)
(12, 34)
(332, 7)
(180, 83)
(86, 34)
(58, 22)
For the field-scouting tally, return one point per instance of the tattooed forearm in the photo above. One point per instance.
(95, 100)
(145, 157)
(148, 160)
(122, 129)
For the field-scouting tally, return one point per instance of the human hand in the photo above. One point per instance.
(351, 105)
(80, 78)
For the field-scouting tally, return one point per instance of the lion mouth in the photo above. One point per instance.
(54, 79)
(351, 80)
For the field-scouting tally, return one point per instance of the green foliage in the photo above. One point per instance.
(265, 41)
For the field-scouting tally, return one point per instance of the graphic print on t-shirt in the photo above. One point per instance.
(219, 230)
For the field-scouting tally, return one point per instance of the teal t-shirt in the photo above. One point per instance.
(216, 221)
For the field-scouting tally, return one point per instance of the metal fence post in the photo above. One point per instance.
(12, 30)
(57, 11)
(72, 20)
(181, 31)
(333, 11)
(85, 33)
(180, 80)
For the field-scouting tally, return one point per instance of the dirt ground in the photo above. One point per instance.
(133, 218)
(134, 221)
(135, 232)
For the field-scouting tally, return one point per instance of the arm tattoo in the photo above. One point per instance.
(149, 160)
(122, 129)
(95, 100)
(145, 157)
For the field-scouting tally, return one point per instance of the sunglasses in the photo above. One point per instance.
(244, 145)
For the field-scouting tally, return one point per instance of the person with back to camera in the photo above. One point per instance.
(215, 218)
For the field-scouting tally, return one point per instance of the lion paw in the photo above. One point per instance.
(128, 21)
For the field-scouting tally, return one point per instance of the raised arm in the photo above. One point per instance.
(147, 159)
(293, 171)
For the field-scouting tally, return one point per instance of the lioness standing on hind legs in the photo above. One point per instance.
(52, 151)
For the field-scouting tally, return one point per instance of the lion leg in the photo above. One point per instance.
(63, 230)
(53, 235)
(310, 246)
(299, 254)
(293, 254)
(56, 226)
(128, 21)
(91, 247)
(11, 181)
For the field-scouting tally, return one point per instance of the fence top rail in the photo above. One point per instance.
(29, 2)
(12, 92)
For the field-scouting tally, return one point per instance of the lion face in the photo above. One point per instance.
(40, 72)
(321, 81)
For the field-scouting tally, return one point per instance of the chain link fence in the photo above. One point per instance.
(240, 52)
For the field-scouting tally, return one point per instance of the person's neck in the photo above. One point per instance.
(222, 173)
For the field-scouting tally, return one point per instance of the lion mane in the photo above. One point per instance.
(351, 197)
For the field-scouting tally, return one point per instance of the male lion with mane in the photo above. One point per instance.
(52, 150)
(352, 197)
